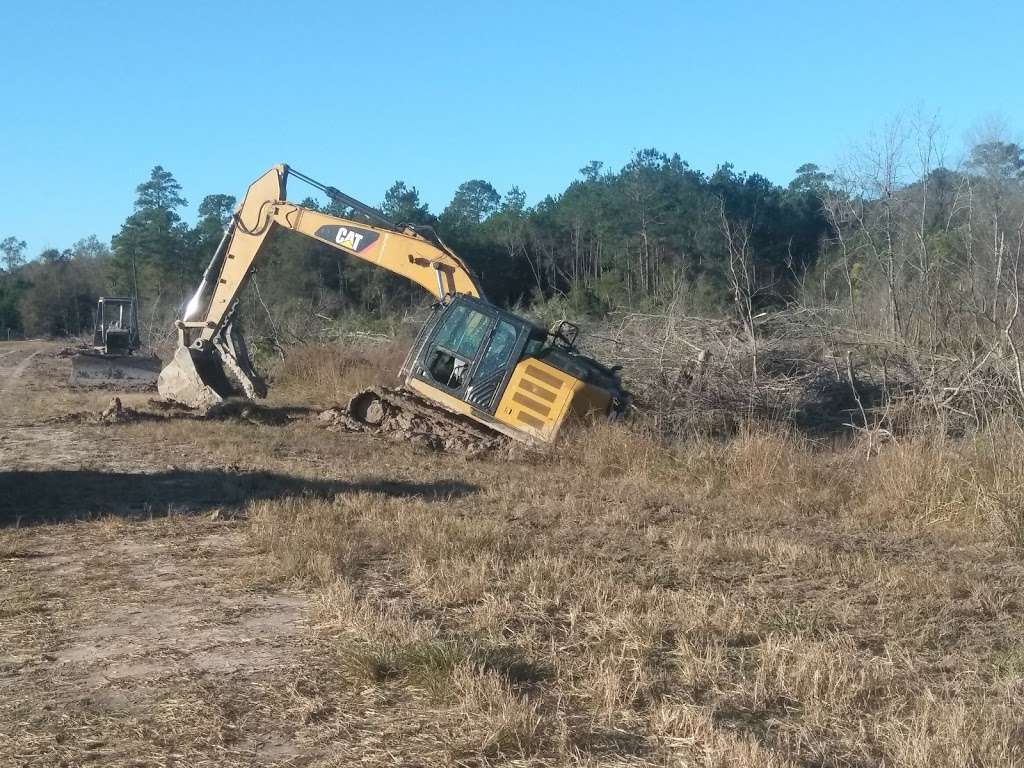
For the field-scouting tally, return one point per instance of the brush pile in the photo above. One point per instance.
(803, 368)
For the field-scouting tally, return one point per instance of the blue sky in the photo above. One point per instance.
(360, 94)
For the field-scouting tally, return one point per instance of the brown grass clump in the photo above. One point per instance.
(325, 374)
(759, 601)
(974, 485)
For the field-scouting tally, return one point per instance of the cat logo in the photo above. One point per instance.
(349, 238)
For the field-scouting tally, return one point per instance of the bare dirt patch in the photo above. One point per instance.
(131, 642)
(106, 624)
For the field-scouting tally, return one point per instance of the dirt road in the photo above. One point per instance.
(12, 374)
(128, 639)
(30, 374)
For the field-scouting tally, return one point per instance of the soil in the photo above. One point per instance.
(104, 623)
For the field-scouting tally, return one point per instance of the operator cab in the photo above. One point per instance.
(470, 350)
(116, 330)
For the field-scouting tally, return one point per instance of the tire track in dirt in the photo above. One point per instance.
(14, 375)
(28, 441)
(106, 623)
(4, 368)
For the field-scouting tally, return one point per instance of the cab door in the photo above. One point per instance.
(494, 365)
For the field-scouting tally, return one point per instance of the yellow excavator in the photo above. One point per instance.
(473, 364)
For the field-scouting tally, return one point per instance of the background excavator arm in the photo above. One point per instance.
(265, 206)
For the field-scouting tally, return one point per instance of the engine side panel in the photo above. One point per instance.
(539, 397)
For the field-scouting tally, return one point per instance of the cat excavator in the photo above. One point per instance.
(475, 369)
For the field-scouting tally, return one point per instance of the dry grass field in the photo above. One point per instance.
(263, 591)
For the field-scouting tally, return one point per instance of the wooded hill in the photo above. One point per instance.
(895, 239)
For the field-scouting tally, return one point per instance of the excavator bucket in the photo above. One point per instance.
(93, 369)
(201, 379)
(195, 379)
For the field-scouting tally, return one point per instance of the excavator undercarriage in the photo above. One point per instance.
(403, 415)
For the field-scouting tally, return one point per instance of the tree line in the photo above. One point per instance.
(893, 238)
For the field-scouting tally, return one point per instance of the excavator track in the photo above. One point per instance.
(400, 414)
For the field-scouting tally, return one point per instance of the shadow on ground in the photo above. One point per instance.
(29, 498)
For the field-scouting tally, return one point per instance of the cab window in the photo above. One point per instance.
(535, 345)
(463, 332)
(496, 356)
(456, 346)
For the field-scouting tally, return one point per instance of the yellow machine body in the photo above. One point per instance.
(539, 398)
(537, 402)
(475, 359)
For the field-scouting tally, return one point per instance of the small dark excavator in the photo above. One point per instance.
(113, 359)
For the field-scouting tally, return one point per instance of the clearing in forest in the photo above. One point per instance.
(240, 592)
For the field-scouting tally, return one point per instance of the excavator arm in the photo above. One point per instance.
(265, 207)
(208, 344)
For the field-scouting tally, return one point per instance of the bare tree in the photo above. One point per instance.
(13, 251)
(742, 277)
